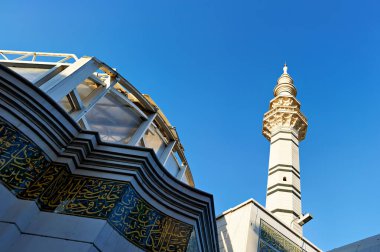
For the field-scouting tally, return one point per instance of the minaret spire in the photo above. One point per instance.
(285, 126)
(285, 68)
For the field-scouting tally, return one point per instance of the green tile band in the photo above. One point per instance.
(273, 240)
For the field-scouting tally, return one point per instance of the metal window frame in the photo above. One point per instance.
(63, 77)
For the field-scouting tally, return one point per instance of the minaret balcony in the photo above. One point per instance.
(284, 117)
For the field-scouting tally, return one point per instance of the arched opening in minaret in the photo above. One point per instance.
(284, 179)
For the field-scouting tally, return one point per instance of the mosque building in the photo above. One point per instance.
(89, 163)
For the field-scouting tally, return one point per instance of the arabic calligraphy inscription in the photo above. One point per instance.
(26, 171)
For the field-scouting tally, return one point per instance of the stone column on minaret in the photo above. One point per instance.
(284, 126)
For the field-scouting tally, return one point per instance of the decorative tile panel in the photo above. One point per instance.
(35, 190)
(146, 227)
(273, 240)
(26, 171)
(263, 247)
(21, 161)
(87, 196)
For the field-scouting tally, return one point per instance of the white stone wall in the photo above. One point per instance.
(239, 229)
(231, 230)
(283, 185)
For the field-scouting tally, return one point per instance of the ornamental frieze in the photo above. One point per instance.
(284, 116)
(273, 240)
(145, 226)
(284, 101)
(21, 161)
(29, 174)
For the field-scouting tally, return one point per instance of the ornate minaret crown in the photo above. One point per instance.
(285, 126)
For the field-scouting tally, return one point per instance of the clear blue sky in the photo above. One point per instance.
(212, 65)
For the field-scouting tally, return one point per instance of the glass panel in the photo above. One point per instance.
(66, 104)
(114, 121)
(152, 139)
(177, 157)
(85, 88)
(172, 165)
(31, 74)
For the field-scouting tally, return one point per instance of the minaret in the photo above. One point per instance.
(285, 126)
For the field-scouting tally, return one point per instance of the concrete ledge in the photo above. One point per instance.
(65, 227)
(9, 234)
(17, 211)
(110, 240)
(31, 243)
(6, 198)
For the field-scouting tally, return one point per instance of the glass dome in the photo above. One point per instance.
(99, 99)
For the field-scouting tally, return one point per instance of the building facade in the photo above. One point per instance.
(88, 163)
(250, 227)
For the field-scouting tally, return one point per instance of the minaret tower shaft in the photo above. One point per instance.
(285, 126)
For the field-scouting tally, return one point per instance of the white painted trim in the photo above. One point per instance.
(61, 84)
(140, 132)
(166, 153)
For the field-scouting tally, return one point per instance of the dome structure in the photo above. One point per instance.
(100, 99)
(91, 163)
